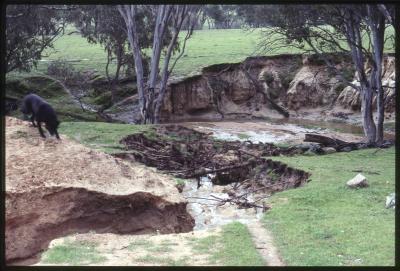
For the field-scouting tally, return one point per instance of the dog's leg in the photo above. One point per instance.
(33, 119)
(57, 136)
(41, 130)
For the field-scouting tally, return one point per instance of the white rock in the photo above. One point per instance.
(358, 181)
(329, 150)
(391, 201)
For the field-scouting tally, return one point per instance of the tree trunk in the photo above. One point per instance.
(128, 12)
(366, 111)
(161, 22)
(324, 140)
(376, 22)
(119, 64)
(181, 14)
(354, 40)
(109, 80)
(165, 70)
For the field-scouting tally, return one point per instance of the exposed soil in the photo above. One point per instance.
(166, 249)
(55, 188)
(131, 250)
(264, 242)
(254, 87)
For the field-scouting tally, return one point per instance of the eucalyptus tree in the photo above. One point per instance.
(168, 22)
(30, 29)
(103, 24)
(357, 30)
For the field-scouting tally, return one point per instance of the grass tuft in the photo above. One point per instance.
(73, 253)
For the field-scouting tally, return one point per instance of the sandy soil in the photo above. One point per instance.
(35, 162)
(134, 250)
(264, 242)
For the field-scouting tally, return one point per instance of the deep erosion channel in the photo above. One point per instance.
(222, 181)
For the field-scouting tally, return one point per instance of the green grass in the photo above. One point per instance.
(140, 244)
(18, 85)
(73, 253)
(233, 247)
(326, 223)
(204, 48)
(243, 136)
(101, 135)
(180, 181)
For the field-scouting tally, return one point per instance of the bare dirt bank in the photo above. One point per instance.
(55, 188)
(246, 89)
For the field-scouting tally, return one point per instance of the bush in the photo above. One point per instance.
(61, 69)
(65, 71)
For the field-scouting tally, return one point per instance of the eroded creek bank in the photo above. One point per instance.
(223, 181)
(56, 188)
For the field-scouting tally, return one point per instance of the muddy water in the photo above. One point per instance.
(272, 130)
(203, 203)
(276, 130)
(205, 207)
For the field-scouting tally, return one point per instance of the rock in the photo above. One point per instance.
(328, 150)
(303, 146)
(346, 149)
(358, 181)
(313, 147)
(312, 86)
(386, 144)
(362, 146)
(309, 153)
(316, 148)
(351, 98)
(391, 201)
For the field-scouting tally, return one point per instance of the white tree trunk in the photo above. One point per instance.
(128, 12)
(163, 13)
(376, 21)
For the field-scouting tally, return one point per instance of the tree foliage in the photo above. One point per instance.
(356, 30)
(29, 30)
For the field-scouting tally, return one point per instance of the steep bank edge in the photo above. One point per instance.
(47, 213)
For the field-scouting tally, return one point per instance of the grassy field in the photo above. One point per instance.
(204, 48)
(326, 223)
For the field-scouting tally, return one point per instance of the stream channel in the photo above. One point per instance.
(204, 201)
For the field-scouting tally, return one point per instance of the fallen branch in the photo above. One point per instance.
(324, 140)
(203, 172)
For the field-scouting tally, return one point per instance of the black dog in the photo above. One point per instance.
(41, 112)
